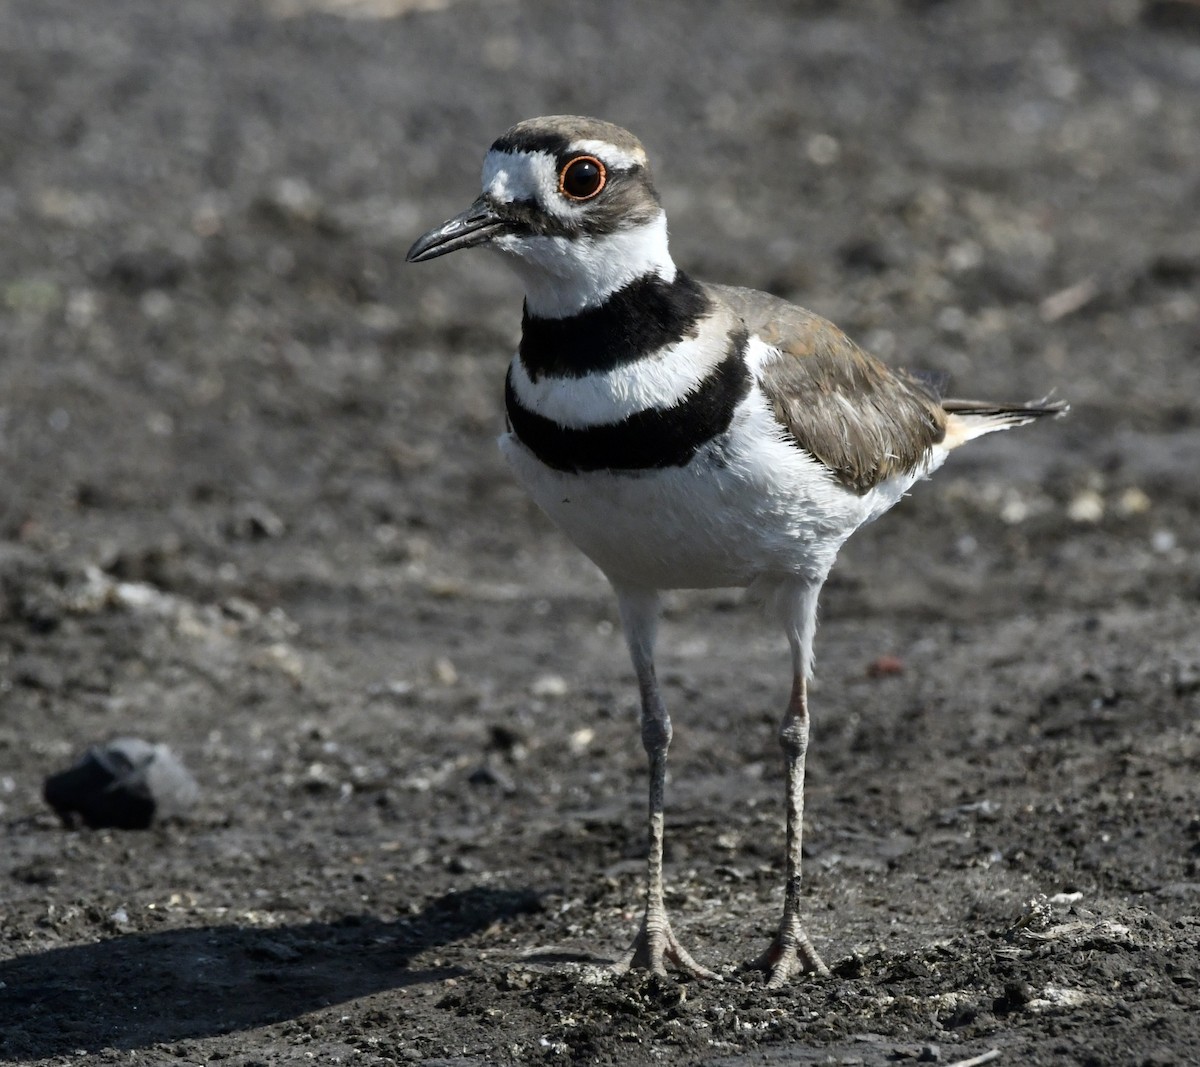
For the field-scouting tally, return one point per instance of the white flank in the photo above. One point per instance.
(564, 276)
(660, 380)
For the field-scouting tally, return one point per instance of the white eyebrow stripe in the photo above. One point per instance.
(610, 154)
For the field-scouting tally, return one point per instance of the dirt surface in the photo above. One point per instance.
(252, 508)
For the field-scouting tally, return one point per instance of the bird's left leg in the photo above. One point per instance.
(655, 944)
(791, 951)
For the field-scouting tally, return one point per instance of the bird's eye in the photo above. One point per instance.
(582, 178)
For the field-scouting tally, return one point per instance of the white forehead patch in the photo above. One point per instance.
(509, 176)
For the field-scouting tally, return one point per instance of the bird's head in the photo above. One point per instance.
(571, 203)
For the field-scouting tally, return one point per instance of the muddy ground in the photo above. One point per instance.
(251, 506)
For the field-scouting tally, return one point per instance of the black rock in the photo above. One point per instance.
(126, 784)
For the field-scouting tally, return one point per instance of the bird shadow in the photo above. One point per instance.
(140, 989)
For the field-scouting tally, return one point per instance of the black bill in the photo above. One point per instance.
(475, 226)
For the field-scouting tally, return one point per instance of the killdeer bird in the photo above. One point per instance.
(687, 435)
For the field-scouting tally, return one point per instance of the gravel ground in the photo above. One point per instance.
(252, 509)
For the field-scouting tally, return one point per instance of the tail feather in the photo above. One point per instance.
(969, 419)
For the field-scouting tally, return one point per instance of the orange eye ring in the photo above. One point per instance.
(582, 178)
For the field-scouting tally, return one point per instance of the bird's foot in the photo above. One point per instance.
(788, 955)
(654, 947)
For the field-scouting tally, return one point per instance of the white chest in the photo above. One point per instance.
(748, 504)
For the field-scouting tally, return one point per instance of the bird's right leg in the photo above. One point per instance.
(791, 951)
(655, 944)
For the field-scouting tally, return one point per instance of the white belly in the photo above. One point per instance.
(748, 505)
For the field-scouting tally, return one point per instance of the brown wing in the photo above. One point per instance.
(863, 420)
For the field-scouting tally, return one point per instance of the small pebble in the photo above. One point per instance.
(885, 667)
(1133, 501)
(1086, 506)
(581, 739)
(1162, 541)
(445, 672)
(823, 150)
(549, 685)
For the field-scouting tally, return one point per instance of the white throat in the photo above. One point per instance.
(564, 276)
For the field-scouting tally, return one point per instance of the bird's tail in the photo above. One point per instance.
(969, 419)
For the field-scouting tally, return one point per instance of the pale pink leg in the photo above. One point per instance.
(792, 952)
(655, 945)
